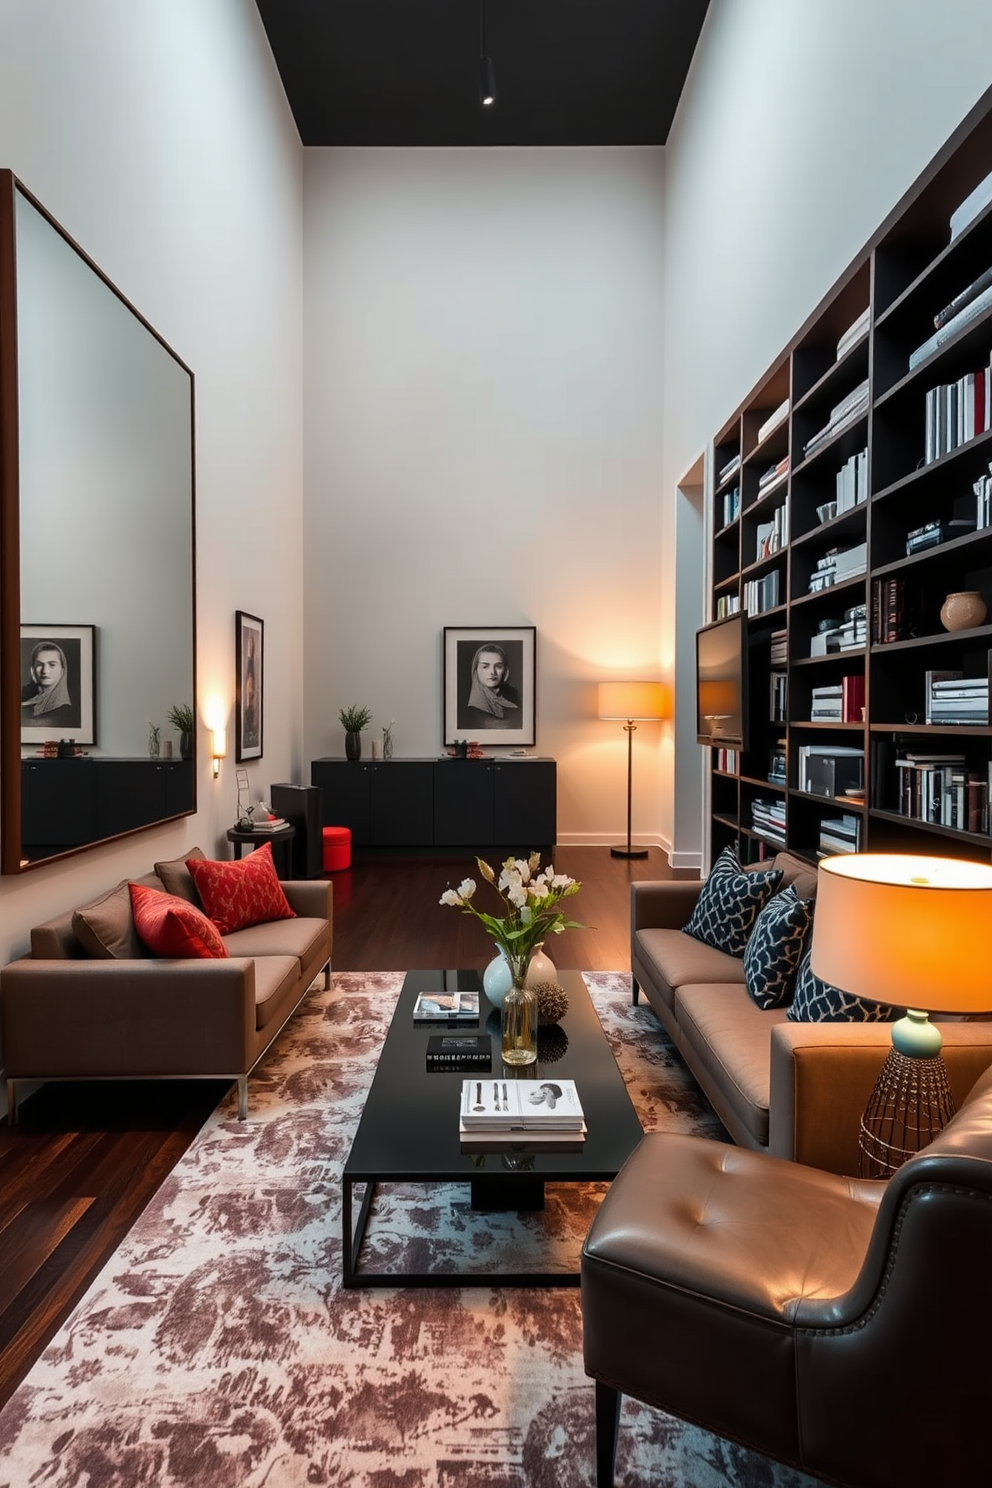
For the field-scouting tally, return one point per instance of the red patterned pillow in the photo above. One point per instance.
(236, 895)
(170, 926)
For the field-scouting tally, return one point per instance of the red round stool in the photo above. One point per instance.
(337, 848)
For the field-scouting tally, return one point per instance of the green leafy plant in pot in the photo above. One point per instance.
(353, 720)
(183, 720)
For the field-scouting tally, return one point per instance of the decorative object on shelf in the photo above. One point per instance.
(353, 719)
(489, 686)
(387, 739)
(183, 720)
(497, 979)
(531, 900)
(631, 703)
(552, 1001)
(963, 610)
(912, 932)
(154, 740)
(244, 807)
(248, 636)
(57, 692)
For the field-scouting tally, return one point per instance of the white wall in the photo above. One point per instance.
(159, 136)
(483, 377)
(801, 127)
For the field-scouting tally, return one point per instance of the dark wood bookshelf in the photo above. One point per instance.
(908, 272)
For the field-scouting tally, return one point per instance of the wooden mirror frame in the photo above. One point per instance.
(11, 852)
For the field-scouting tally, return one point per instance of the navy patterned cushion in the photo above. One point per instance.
(775, 949)
(729, 903)
(816, 1001)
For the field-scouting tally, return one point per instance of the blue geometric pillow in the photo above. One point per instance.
(775, 948)
(729, 903)
(816, 1001)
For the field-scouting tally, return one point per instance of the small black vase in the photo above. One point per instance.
(186, 744)
(353, 746)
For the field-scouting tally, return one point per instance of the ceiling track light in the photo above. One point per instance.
(487, 78)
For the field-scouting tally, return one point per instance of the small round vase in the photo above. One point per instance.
(963, 611)
(352, 746)
(497, 979)
(186, 744)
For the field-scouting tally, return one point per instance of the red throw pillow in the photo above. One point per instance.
(236, 895)
(170, 926)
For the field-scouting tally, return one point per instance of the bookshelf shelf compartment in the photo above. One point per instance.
(863, 333)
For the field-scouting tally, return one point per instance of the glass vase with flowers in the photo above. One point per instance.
(531, 911)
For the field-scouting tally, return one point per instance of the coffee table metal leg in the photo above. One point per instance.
(351, 1238)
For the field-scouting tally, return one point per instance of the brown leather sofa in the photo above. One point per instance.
(796, 1090)
(838, 1326)
(66, 1014)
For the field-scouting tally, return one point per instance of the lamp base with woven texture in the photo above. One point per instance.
(909, 1105)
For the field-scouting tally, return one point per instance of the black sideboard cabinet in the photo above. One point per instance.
(443, 803)
(68, 802)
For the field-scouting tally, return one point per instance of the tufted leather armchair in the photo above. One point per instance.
(843, 1327)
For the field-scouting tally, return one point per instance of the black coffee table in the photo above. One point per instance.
(408, 1132)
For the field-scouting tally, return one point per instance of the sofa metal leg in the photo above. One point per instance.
(242, 1097)
(608, 1403)
(327, 975)
(635, 991)
(11, 1102)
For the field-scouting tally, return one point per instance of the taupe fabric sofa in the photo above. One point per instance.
(796, 1090)
(67, 1015)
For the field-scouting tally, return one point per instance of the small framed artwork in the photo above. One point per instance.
(248, 630)
(58, 693)
(489, 683)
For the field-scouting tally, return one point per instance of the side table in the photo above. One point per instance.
(280, 837)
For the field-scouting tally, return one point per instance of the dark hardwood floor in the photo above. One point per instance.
(85, 1158)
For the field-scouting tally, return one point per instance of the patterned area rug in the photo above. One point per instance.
(218, 1350)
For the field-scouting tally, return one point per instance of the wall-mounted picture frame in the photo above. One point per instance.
(489, 684)
(248, 638)
(58, 683)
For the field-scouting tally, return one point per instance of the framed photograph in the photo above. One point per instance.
(489, 691)
(248, 707)
(58, 693)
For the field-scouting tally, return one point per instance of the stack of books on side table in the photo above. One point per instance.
(520, 1111)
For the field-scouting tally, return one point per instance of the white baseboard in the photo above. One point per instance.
(606, 839)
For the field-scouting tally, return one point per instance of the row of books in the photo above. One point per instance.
(768, 820)
(727, 604)
(849, 634)
(726, 760)
(852, 482)
(846, 412)
(837, 565)
(951, 697)
(888, 611)
(840, 834)
(943, 790)
(983, 500)
(778, 697)
(731, 505)
(966, 307)
(779, 648)
(764, 593)
(777, 761)
(932, 534)
(773, 421)
(731, 468)
(839, 702)
(957, 412)
(773, 476)
(772, 535)
(830, 769)
(855, 332)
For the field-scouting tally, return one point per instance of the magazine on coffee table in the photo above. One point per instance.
(446, 1007)
(520, 1106)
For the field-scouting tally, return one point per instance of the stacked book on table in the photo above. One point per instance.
(515, 1111)
(955, 698)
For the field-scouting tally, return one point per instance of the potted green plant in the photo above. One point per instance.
(353, 720)
(183, 720)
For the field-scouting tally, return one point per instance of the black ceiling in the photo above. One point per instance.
(406, 72)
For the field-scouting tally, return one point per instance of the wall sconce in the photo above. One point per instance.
(218, 748)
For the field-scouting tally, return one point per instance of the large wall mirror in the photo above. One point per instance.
(97, 583)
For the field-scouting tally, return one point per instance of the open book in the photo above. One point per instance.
(520, 1105)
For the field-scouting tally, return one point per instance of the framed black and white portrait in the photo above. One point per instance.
(489, 688)
(248, 630)
(58, 697)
